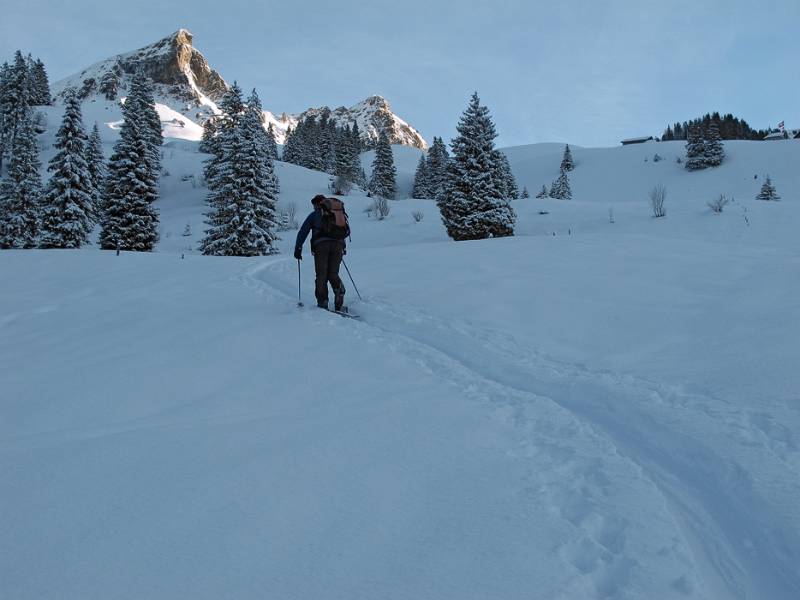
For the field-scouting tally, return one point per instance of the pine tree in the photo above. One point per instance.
(525, 193)
(471, 204)
(141, 94)
(95, 162)
(566, 161)
(543, 193)
(14, 102)
(508, 183)
(242, 218)
(20, 192)
(421, 185)
(67, 204)
(695, 149)
(438, 159)
(383, 182)
(209, 136)
(561, 189)
(220, 134)
(130, 221)
(714, 151)
(272, 143)
(39, 84)
(109, 83)
(768, 191)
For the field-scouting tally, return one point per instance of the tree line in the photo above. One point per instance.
(728, 128)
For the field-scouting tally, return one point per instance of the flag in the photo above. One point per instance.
(780, 125)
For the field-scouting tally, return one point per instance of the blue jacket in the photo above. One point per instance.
(313, 224)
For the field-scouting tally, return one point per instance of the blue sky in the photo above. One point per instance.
(587, 73)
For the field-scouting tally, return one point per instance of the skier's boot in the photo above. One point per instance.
(338, 298)
(321, 304)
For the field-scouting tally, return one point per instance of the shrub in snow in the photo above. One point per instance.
(717, 204)
(657, 197)
(657, 157)
(417, 215)
(768, 191)
(380, 208)
(525, 193)
(341, 186)
(543, 193)
(187, 231)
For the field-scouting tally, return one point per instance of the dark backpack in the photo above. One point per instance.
(335, 224)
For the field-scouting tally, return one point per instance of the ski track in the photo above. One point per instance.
(653, 437)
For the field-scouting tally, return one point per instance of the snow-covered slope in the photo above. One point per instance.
(186, 83)
(587, 410)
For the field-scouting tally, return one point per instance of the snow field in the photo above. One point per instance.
(607, 412)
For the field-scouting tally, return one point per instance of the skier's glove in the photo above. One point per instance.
(298, 253)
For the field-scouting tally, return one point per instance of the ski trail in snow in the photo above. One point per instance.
(716, 490)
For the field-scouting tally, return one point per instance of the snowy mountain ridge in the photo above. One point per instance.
(187, 84)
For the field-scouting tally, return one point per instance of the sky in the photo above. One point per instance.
(589, 73)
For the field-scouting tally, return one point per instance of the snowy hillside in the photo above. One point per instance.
(586, 410)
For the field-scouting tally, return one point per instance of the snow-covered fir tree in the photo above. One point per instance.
(566, 161)
(264, 141)
(242, 219)
(272, 143)
(714, 152)
(220, 133)
(438, 159)
(38, 83)
(525, 193)
(695, 149)
(472, 205)
(20, 191)
(129, 219)
(543, 193)
(506, 177)
(68, 200)
(14, 102)
(561, 189)
(768, 191)
(208, 139)
(109, 83)
(383, 182)
(95, 162)
(421, 187)
(141, 93)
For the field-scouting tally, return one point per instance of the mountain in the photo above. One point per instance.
(183, 78)
(373, 115)
(186, 83)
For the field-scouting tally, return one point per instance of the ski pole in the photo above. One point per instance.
(299, 297)
(355, 287)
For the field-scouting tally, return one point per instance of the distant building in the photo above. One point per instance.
(638, 140)
(786, 134)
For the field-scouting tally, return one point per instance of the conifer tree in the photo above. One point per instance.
(95, 162)
(561, 189)
(695, 149)
(242, 218)
(714, 151)
(438, 159)
(129, 220)
(566, 161)
(209, 136)
(421, 185)
(768, 191)
(508, 183)
(272, 143)
(525, 193)
(141, 94)
(471, 205)
(67, 204)
(383, 182)
(220, 134)
(109, 83)
(20, 192)
(39, 84)
(543, 193)
(14, 102)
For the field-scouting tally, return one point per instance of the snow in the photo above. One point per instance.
(607, 412)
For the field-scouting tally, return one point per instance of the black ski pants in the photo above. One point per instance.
(327, 258)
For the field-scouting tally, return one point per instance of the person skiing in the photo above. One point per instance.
(328, 226)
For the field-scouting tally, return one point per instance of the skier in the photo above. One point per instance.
(329, 228)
